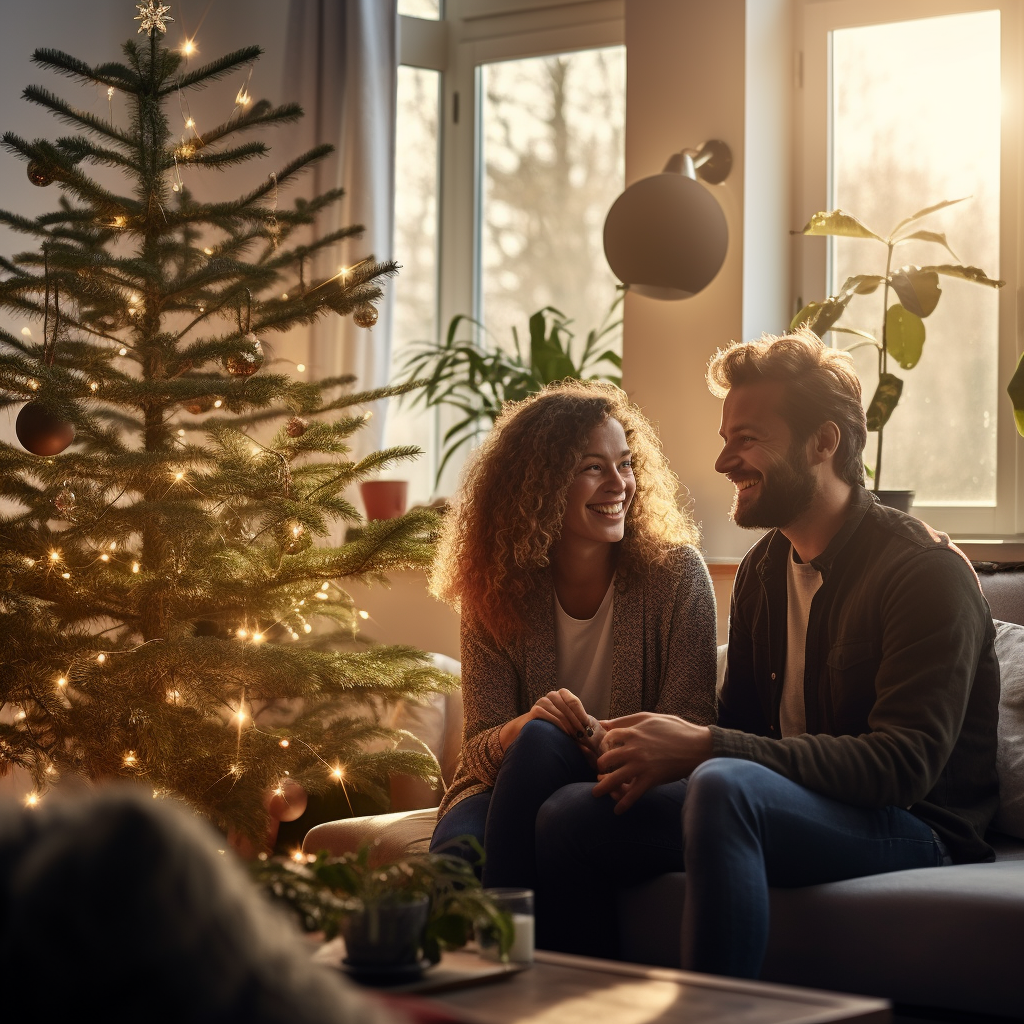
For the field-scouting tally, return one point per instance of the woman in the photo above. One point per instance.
(582, 599)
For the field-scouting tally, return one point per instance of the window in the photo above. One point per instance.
(509, 148)
(901, 112)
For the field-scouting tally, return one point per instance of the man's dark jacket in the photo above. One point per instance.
(901, 683)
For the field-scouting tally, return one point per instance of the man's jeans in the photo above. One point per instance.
(743, 828)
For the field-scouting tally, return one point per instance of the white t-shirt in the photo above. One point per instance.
(802, 582)
(583, 655)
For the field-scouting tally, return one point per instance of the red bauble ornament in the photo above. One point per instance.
(296, 426)
(196, 406)
(247, 360)
(38, 174)
(41, 432)
(287, 802)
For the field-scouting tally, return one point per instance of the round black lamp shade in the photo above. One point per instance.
(666, 237)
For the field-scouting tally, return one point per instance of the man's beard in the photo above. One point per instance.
(785, 495)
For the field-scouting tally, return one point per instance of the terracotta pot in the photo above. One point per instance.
(899, 500)
(384, 499)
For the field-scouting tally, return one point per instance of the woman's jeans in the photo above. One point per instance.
(540, 761)
(738, 828)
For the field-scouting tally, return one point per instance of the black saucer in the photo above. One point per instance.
(384, 974)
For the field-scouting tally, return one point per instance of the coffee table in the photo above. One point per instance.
(563, 989)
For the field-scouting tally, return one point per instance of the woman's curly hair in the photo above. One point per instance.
(498, 532)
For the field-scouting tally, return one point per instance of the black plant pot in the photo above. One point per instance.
(386, 934)
(900, 500)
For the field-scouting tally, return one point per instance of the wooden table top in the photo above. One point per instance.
(562, 989)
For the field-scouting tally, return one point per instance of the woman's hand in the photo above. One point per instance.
(564, 709)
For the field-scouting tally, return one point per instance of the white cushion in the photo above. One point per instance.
(1010, 756)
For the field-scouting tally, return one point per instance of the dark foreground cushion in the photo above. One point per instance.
(950, 937)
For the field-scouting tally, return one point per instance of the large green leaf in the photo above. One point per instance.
(917, 289)
(861, 284)
(1015, 389)
(938, 237)
(973, 274)
(884, 400)
(835, 222)
(820, 316)
(924, 213)
(904, 335)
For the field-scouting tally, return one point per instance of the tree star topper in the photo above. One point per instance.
(152, 17)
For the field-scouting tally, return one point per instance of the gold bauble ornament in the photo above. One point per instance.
(365, 316)
(196, 406)
(247, 360)
(38, 174)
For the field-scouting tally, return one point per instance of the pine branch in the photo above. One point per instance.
(259, 114)
(215, 70)
(71, 115)
(116, 75)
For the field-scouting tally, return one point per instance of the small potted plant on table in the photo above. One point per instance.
(395, 918)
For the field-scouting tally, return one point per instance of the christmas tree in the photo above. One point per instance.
(164, 612)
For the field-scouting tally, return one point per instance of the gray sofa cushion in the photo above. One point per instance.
(1010, 756)
(950, 937)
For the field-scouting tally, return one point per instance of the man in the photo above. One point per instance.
(857, 722)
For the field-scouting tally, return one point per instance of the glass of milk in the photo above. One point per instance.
(518, 904)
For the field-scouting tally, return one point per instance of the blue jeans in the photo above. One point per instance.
(537, 763)
(738, 828)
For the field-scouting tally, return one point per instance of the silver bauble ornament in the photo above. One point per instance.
(65, 502)
(247, 360)
(365, 316)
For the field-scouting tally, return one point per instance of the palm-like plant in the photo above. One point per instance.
(477, 380)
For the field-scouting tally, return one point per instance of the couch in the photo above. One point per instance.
(949, 938)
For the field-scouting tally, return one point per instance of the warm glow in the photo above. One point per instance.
(243, 99)
(279, 791)
(301, 367)
(101, 658)
(188, 47)
(34, 385)
(93, 386)
(27, 332)
(242, 634)
(284, 743)
(65, 575)
(62, 681)
(321, 595)
(240, 714)
(113, 545)
(104, 558)
(189, 123)
(363, 614)
(338, 773)
(179, 476)
(298, 856)
(218, 403)
(307, 628)
(208, 251)
(257, 638)
(54, 556)
(136, 566)
(32, 799)
(130, 760)
(122, 351)
(181, 433)
(324, 586)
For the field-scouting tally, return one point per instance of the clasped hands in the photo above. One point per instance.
(630, 754)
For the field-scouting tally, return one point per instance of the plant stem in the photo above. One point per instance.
(883, 361)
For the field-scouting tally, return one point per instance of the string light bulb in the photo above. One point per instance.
(284, 743)
(130, 760)
(338, 773)
(65, 575)
(242, 633)
(307, 628)
(301, 367)
(218, 403)
(27, 332)
(32, 800)
(257, 638)
(136, 567)
(62, 681)
(104, 558)
(298, 856)
(54, 556)
(363, 613)
(122, 351)
(187, 49)
(101, 658)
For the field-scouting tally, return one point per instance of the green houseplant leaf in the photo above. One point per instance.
(924, 213)
(884, 401)
(974, 274)
(836, 222)
(904, 336)
(1015, 389)
(918, 289)
(928, 236)
(820, 316)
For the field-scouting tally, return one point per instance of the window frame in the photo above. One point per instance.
(469, 34)
(813, 145)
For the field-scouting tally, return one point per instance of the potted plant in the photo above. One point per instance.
(477, 380)
(902, 333)
(395, 918)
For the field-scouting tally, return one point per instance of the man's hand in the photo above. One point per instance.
(645, 750)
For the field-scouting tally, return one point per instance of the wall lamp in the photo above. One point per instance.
(666, 237)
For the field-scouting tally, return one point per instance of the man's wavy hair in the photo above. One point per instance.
(498, 532)
(820, 385)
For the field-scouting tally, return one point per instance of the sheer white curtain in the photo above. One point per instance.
(341, 65)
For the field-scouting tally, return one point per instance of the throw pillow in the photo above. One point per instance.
(1010, 756)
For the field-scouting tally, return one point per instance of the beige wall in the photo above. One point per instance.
(687, 81)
